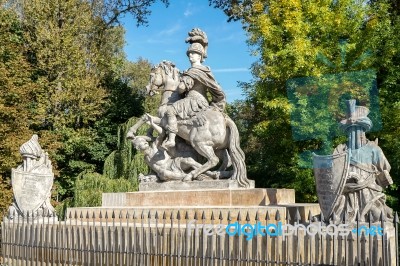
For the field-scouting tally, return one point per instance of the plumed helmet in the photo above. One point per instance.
(31, 148)
(198, 42)
(197, 48)
(356, 116)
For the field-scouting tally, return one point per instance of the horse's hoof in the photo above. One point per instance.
(188, 177)
(200, 177)
(168, 144)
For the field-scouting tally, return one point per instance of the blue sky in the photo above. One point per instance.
(164, 39)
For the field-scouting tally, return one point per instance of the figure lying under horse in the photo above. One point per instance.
(209, 131)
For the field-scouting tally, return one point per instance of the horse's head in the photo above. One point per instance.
(163, 77)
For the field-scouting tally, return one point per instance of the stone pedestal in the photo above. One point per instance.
(193, 185)
(206, 198)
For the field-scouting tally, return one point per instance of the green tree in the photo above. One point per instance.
(70, 58)
(297, 39)
(70, 88)
(90, 187)
(389, 86)
(62, 75)
(16, 88)
(124, 162)
(112, 10)
(122, 166)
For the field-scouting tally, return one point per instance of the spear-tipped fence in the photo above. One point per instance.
(177, 238)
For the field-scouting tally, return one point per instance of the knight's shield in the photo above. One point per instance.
(330, 173)
(30, 189)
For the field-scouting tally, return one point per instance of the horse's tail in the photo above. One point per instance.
(237, 155)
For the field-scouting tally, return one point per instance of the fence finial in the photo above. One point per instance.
(382, 217)
(288, 217)
(309, 216)
(333, 218)
(370, 219)
(267, 216)
(343, 217)
(297, 216)
(277, 216)
(239, 217)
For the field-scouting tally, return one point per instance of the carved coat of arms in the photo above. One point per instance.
(330, 173)
(32, 182)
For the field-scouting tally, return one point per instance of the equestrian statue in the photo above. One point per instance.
(195, 139)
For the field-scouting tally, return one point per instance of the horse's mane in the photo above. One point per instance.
(169, 68)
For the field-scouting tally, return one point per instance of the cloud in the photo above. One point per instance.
(190, 10)
(170, 51)
(233, 37)
(225, 70)
(170, 31)
(160, 41)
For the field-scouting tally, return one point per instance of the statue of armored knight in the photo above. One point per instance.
(32, 182)
(350, 182)
(195, 138)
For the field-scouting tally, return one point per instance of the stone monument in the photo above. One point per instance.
(194, 138)
(350, 182)
(193, 151)
(32, 182)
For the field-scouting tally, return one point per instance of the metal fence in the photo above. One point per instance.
(174, 238)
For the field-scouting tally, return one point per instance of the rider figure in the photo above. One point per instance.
(195, 82)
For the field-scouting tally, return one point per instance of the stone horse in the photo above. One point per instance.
(214, 133)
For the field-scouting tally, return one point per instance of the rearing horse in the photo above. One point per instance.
(209, 131)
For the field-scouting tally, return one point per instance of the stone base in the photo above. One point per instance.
(191, 185)
(215, 197)
(205, 214)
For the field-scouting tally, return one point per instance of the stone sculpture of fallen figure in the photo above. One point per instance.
(159, 160)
